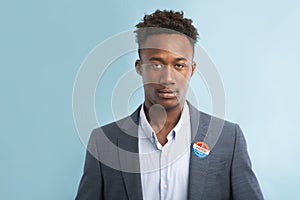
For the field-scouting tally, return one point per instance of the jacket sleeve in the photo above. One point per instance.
(90, 187)
(243, 181)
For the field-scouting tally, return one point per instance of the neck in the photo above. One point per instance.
(160, 118)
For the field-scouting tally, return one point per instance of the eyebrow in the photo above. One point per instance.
(181, 58)
(161, 60)
(156, 59)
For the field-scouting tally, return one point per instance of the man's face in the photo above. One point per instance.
(166, 67)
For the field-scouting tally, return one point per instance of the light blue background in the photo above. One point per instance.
(254, 44)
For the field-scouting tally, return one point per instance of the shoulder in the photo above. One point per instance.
(228, 128)
(211, 121)
(118, 128)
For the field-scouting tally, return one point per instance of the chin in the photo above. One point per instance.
(169, 104)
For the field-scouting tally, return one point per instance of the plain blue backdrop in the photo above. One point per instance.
(254, 44)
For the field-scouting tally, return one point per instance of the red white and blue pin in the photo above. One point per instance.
(201, 149)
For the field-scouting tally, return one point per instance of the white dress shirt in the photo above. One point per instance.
(165, 169)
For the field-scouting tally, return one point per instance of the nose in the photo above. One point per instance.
(167, 76)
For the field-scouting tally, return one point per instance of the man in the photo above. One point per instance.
(160, 151)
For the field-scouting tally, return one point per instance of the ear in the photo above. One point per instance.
(138, 67)
(193, 67)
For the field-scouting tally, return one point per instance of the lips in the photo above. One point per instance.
(167, 93)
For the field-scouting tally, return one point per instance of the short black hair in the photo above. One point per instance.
(166, 21)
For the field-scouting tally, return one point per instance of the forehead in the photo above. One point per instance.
(176, 45)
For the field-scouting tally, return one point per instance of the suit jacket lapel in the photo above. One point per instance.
(128, 156)
(198, 166)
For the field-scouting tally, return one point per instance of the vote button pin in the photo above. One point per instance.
(201, 149)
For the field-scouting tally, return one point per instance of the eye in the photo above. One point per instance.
(180, 66)
(156, 66)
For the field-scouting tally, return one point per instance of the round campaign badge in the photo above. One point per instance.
(201, 149)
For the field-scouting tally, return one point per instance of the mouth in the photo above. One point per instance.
(167, 93)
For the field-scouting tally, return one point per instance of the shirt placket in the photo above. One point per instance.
(163, 174)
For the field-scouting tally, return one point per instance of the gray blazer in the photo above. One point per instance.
(224, 174)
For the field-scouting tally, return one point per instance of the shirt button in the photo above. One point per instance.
(165, 186)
